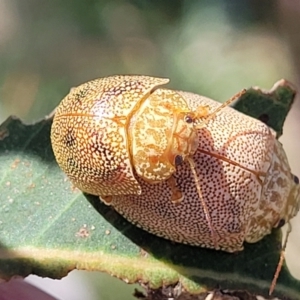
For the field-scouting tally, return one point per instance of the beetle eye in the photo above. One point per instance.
(295, 178)
(281, 223)
(188, 119)
(178, 160)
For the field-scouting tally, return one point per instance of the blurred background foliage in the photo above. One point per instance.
(211, 47)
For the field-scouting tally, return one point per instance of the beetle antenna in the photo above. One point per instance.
(205, 208)
(226, 103)
(201, 112)
(281, 260)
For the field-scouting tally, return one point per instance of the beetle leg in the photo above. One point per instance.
(205, 208)
(176, 194)
(281, 260)
(106, 199)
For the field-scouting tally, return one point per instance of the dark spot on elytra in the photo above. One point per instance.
(69, 139)
(295, 178)
(71, 163)
(281, 223)
(264, 118)
(81, 93)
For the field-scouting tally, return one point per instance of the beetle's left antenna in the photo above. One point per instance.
(223, 105)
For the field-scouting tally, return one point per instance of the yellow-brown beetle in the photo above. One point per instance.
(173, 163)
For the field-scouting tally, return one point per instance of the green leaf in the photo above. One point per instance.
(271, 107)
(49, 228)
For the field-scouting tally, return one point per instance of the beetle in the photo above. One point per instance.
(176, 164)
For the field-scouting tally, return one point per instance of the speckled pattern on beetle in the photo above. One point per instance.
(136, 145)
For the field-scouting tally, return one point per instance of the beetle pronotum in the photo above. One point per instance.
(153, 153)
